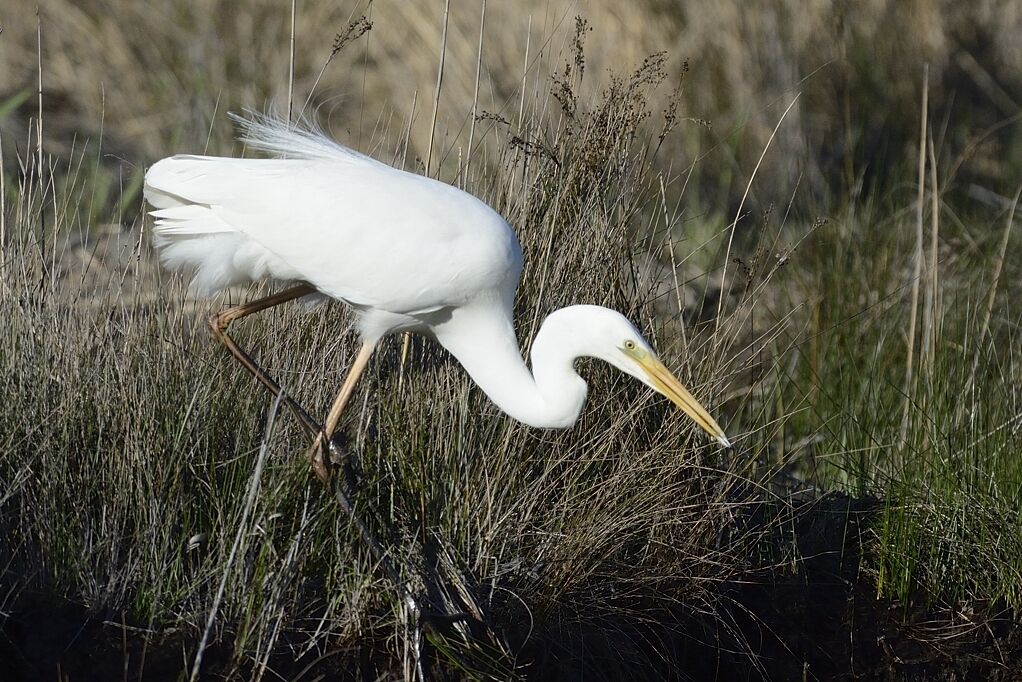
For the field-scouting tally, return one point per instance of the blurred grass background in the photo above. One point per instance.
(853, 319)
(166, 71)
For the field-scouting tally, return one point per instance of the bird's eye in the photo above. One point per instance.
(629, 345)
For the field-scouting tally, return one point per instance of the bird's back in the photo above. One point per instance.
(354, 228)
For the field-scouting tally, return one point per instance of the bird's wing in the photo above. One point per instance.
(354, 228)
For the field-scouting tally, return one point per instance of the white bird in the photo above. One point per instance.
(406, 252)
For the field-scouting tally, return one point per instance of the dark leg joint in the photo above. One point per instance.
(218, 324)
(329, 455)
(317, 456)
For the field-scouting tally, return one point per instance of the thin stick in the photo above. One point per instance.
(525, 73)
(41, 184)
(439, 85)
(291, 66)
(3, 211)
(989, 309)
(741, 205)
(406, 338)
(39, 92)
(674, 263)
(365, 68)
(930, 311)
(408, 130)
(250, 500)
(918, 269)
(475, 94)
(322, 69)
(212, 120)
(521, 109)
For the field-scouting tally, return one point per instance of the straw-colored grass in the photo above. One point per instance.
(845, 306)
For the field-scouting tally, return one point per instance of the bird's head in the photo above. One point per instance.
(609, 336)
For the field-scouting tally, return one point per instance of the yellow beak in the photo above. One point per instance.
(665, 382)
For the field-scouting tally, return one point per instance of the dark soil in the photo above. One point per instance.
(824, 621)
(815, 618)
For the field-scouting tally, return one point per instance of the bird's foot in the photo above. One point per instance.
(326, 457)
(342, 458)
(317, 456)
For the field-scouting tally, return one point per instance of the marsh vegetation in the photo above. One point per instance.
(812, 222)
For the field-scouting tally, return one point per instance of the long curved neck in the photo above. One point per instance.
(483, 340)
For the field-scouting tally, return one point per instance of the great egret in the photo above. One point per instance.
(406, 252)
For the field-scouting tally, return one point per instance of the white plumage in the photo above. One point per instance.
(242, 220)
(405, 251)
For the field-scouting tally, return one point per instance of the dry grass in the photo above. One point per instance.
(166, 74)
(135, 437)
(129, 440)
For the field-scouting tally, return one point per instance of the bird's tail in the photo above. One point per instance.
(188, 234)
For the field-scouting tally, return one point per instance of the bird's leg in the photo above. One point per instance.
(219, 322)
(406, 345)
(323, 439)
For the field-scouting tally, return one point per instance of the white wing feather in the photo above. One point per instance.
(355, 228)
(303, 140)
